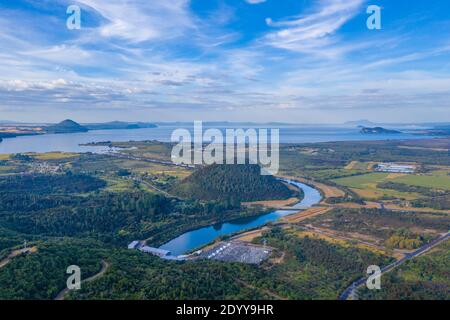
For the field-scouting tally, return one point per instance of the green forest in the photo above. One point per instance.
(234, 183)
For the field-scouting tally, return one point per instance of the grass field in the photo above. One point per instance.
(341, 242)
(436, 180)
(363, 181)
(366, 186)
(334, 173)
(118, 184)
(356, 165)
(4, 156)
(54, 155)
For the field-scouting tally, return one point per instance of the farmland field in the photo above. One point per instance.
(432, 181)
(366, 186)
(363, 181)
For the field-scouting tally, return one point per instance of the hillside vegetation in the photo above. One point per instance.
(232, 183)
(66, 126)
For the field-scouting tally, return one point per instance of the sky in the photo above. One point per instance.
(297, 61)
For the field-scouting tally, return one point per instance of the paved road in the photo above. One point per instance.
(351, 289)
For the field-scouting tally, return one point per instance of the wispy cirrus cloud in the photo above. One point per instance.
(313, 31)
(255, 1)
(142, 20)
(147, 58)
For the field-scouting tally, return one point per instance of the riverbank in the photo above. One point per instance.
(195, 239)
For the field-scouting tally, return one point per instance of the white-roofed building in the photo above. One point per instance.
(133, 245)
(155, 251)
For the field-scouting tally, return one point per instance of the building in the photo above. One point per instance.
(155, 251)
(133, 245)
(395, 168)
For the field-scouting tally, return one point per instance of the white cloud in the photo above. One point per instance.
(255, 1)
(314, 31)
(142, 20)
(158, 55)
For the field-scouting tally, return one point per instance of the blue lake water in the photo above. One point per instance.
(200, 237)
(197, 238)
(71, 142)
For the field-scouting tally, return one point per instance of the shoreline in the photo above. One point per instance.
(166, 246)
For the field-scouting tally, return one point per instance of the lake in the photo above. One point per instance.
(197, 238)
(70, 142)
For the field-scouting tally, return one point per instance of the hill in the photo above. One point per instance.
(66, 126)
(233, 183)
(378, 130)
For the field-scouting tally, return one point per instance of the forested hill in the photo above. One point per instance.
(233, 183)
(66, 126)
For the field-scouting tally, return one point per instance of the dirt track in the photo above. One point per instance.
(303, 215)
(16, 253)
(273, 203)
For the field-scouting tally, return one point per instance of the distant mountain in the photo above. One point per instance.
(7, 122)
(115, 125)
(438, 130)
(360, 123)
(442, 127)
(378, 130)
(233, 183)
(66, 126)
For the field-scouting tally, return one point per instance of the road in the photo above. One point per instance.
(105, 267)
(351, 289)
(166, 163)
(16, 253)
(154, 188)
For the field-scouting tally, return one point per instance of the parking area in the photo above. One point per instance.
(238, 251)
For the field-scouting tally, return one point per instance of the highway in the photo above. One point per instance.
(351, 289)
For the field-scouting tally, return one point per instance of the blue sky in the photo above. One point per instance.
(297, 61)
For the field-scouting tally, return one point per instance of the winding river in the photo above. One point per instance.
(197, 238)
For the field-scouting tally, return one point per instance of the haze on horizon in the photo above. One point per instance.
(225, 60)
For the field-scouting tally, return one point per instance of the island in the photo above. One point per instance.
(66, 126)
(378, 130)
(116, 125)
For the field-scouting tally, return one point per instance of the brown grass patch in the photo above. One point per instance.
(273, 203)
(303, 215)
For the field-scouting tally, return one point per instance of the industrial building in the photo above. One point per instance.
(395, 168)
(134, 245)
(163, 254)
(155, 251)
